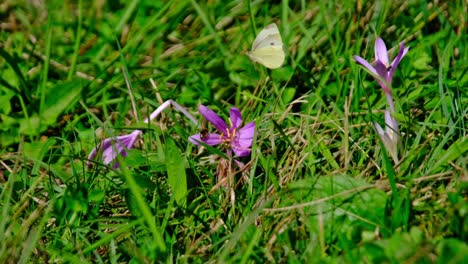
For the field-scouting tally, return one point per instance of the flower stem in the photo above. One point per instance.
(165, 105)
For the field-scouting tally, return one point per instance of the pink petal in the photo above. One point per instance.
(390, 142)
(244, 136)
(382, 71)
(118, 146)
(91, 156)
(379, 129)
(366, 64)
(111, 147)
(381, 52)
(392, 124)
(236, 117)
(241, 152)
(110, 153)
(213, 118)
(243, 140)
(383, 78)
(129, 140)
(398, 58)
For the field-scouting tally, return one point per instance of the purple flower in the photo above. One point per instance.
(389, 136)
(236, 139)
(383, 71)
(111, 147)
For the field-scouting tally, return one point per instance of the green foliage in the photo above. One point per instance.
(318, 187)
(176, 177)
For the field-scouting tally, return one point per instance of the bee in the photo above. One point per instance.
(203, 131)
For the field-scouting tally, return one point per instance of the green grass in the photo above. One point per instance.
(318, 186)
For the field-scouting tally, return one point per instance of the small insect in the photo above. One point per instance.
(204, 134)
(203, 131)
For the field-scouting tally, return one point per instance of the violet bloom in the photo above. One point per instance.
(113, 146)
(383, 71)
(236, 139)
(389, 136)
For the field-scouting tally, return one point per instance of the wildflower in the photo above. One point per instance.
(112, 147)
(383, 71)
(389, 136)
(234, 138)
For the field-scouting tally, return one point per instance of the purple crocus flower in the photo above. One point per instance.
(389, 136)
(383, 71)
(113, 146)
(235, 138)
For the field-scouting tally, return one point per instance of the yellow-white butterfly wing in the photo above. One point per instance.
(267, 48)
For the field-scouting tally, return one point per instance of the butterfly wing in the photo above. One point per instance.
(271, 56)
(269, 31)
(267, 48)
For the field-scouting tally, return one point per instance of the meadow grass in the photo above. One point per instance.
(318, 186)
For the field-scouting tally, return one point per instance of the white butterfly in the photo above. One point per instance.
(267, 48)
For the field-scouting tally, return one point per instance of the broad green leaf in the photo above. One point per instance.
(288, 95)
(282, 74)
(37, 150)
(5, 100)
(135, 158)
(30, 126)
(175, 165)
(242, 79)
(9, 136)
(59, 98)
(350, 206)
(132, 203)
(396, 249)
(457, 149)
(7, 122)
(453, 251)
(13, 62)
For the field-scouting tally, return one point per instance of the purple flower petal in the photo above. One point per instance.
(235, 117)
(244, 136)
(397, 59)
(237, 140)
(104, 145)
(213, 118)
(390, 141)
(379, 129)
(210, 139)
(119, 146)
(110, 153)
(241, 152)
(392, 126)
(111, 147)
(91, 156)
(381, 52)
(382, 71)
(243, 140)
(366, 64)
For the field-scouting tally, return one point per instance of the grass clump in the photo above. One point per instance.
(318, 185)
